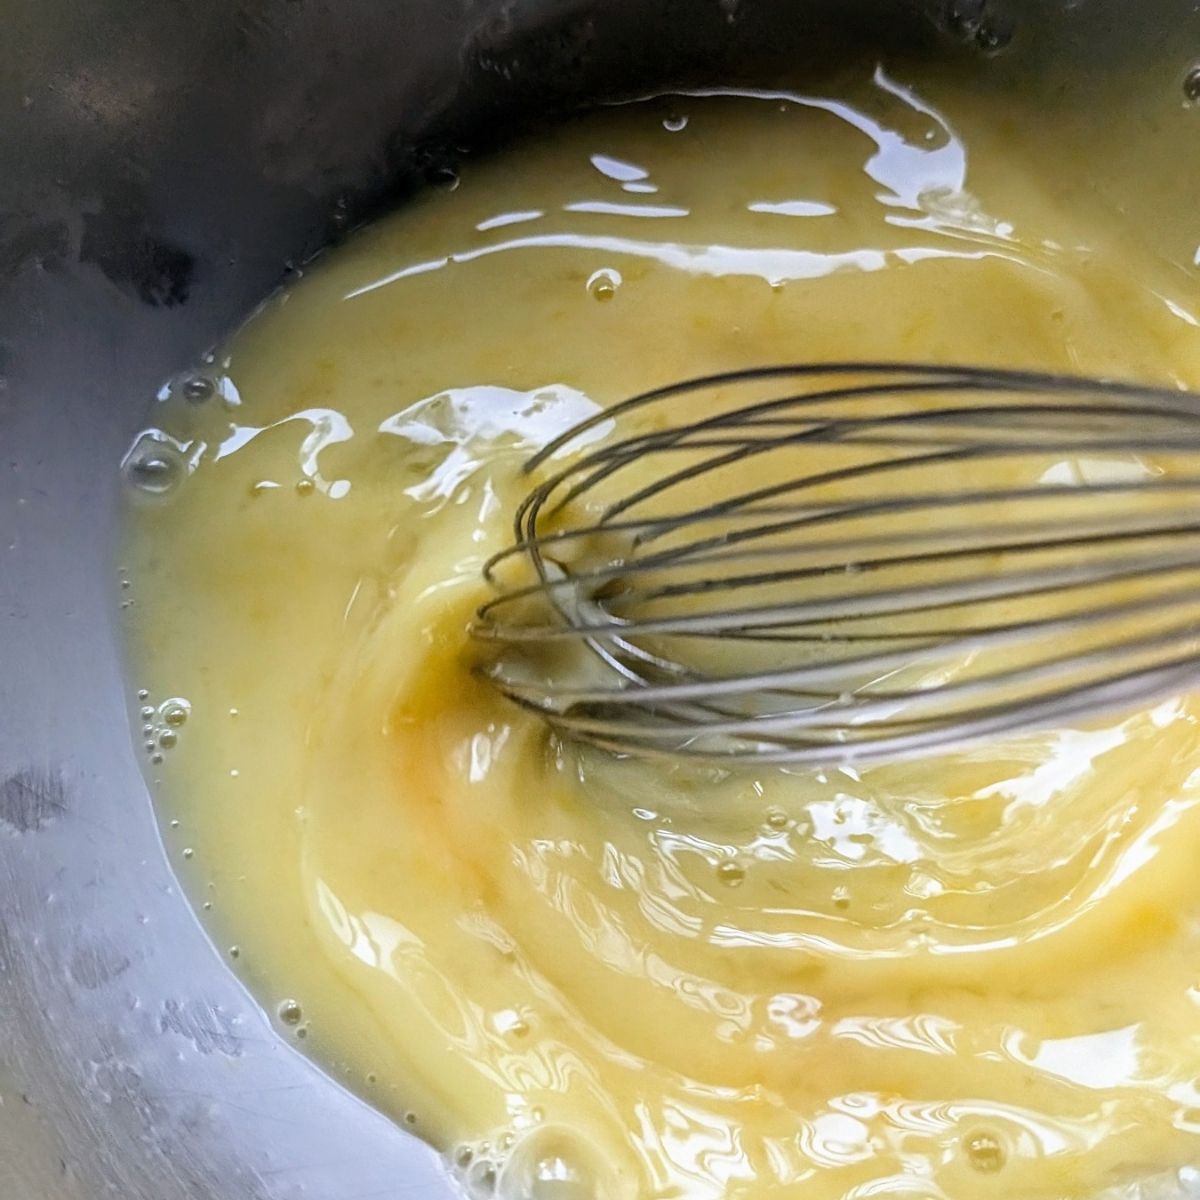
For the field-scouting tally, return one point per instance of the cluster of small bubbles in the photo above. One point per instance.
(290, 1012)
(731, 873)
(985, 1152)
(603, 284)
(675, 123)
(153, 466)
(161, 725)
(1191, 85)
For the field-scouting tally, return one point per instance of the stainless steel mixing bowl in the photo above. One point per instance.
(163, 164)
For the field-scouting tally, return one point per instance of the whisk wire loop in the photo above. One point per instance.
(842, 562)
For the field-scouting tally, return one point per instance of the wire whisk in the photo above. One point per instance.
(821, 564)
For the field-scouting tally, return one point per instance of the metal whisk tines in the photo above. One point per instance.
(809, 564)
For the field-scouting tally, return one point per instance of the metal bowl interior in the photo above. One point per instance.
(163, 166)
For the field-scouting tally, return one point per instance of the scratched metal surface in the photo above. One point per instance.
(161, 162)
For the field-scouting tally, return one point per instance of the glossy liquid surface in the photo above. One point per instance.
(593, 980)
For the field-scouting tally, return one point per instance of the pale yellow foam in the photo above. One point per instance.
(967, 978)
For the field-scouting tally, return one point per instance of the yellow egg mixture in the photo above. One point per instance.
(611, 980)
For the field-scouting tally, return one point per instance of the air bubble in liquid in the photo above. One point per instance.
(603, 284)
(985, 1151)
(1191, 85)
(555, 1164)
(305, 487)
(731, 873)
(197, 389)
(290, 1012)
(481, 1178)
(446, 178)
(777, 819)
(167, 739)
(175, 711)
(153, 465)
(675, 123)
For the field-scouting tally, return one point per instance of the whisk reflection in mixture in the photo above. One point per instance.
(852, 561)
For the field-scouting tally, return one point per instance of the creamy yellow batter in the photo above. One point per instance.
(970, 977)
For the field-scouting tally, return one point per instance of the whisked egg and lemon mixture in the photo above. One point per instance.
(588, 977)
